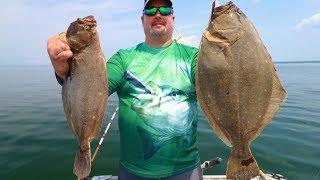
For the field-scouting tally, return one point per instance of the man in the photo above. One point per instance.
(155, 84)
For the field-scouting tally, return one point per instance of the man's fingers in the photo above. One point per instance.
(60, 47)
(55, 46)
(59, 52)
(65, 46)
(62, 36)
(64, 55)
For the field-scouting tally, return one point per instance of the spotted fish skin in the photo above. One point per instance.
(84, 92)
(237, 85)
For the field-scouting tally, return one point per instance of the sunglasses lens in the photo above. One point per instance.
(165, 11)
(150, 12)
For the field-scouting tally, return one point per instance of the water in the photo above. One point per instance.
(36, 142)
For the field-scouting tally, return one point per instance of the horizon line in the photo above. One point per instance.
(275, 62)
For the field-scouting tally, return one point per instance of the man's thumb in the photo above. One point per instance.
(64, 55)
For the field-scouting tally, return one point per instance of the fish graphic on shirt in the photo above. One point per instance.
(165, 111)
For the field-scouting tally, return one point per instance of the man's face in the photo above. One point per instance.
(158, 25)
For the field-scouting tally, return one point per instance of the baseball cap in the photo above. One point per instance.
(147, 1)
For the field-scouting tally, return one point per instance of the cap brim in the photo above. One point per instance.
(146, 3)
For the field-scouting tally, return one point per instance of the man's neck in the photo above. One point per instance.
(158, 42)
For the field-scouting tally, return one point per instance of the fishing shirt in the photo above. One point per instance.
(157, 108)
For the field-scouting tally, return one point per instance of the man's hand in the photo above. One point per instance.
(59, 53)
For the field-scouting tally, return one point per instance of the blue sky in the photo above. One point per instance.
(289, 28)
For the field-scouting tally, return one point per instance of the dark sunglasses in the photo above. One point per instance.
(164, 11)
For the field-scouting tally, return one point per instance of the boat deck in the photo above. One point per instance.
(205, 177)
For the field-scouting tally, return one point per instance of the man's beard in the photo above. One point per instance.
(157, 33)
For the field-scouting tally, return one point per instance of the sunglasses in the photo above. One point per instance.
(164, 11)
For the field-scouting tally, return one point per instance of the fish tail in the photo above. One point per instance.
(241, 164)
(82, 162)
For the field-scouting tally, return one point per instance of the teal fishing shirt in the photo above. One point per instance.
(157, 108)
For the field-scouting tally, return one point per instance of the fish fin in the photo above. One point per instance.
(135, 81)
(67, 105)
(241, 164)
(213, 121)
(277, 97)
(82, 162)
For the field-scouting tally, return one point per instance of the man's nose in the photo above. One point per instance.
(158, 13)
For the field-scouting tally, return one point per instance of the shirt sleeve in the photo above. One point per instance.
(115, 72)
(60, 80)
(194, 65)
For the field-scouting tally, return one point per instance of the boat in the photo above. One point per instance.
(205, 177)
(207, 164)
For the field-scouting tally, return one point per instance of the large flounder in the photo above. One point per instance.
(237, 85)
(84, 92)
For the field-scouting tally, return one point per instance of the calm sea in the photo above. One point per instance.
(36, 143)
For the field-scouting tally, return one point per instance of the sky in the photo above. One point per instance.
(290, 29)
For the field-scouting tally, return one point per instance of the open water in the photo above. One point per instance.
(36, 143)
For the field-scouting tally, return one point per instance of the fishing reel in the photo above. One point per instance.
(209, 164)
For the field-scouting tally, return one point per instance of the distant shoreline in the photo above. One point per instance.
(275, 62)
(295, 62)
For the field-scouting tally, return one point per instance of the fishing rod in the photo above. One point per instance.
(103, 136)
(211, 163)
(101, 140)
(178, 34)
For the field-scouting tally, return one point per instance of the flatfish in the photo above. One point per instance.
(84, 92)
(237, 85)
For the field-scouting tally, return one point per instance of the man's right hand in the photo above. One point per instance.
(59, 53)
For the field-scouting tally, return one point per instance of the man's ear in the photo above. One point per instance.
(142, 20)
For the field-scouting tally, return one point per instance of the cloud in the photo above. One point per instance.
(19, 10)
(313, 20)
(26, 26)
